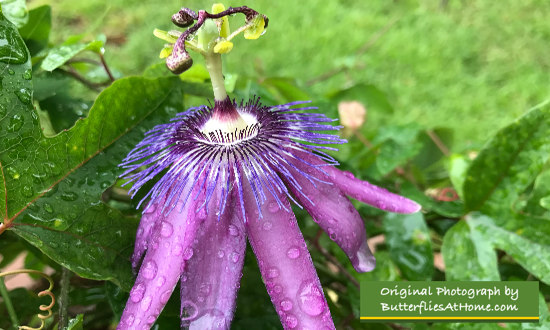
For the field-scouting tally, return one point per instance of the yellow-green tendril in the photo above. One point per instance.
(47, 292)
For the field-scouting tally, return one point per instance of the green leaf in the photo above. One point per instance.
(54, 185)
(285, 89)
(410, 246)
(15, 11)
(458, 166)
(531, 254)
(453, 209)
(77, 323)
(468, 256)
(59, 55)
(36, 32)
(509, 163)
(399, 145)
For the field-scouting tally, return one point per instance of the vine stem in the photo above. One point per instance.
(9, 305)
(64, 298)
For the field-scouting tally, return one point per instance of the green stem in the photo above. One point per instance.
(64, 298)
(9, 305)
(214, 67)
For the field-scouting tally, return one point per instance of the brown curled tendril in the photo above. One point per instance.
(47, 292)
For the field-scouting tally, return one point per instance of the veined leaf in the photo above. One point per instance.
(53, 186)
(59, 55)
(36, 32)
(509, 163)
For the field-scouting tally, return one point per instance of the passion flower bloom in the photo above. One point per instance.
(229, 173)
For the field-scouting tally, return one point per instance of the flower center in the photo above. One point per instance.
(233, 131)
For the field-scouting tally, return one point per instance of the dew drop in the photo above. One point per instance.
(233, 231)
(165, 296)
(177, 250)
(272, 272)
(349, 175)
(273, 207)
(12, 48)
(48, 208)
(69, 196)
(220, 254)
(235, 257)
(205, 289)
(24, 95)
(166, 229)
(188, 253)
(291, 321)
(184, 278)
(27, 191)
(267, 225)
(27, 75)
(278, 289)
(149, 270)
(189, 310)
(310, 298)
(130, 320)
(286, 305)
(146, 303)
(160, 281)
(293, 253)
(380, 204)
(151, 319)
(137, 292)
(331, 234)
(15, 124)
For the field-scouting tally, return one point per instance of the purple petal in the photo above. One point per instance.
(336, 215)
(371, 194)
(212, 276)
(361, 190)
(285, 264)
(167, 252)
(144, 233)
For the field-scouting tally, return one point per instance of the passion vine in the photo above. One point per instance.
(228, 172)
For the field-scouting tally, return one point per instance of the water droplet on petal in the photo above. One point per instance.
(177, 250)
(291, 321)
(189, 310)
(331, 234)
(137, 292)
(165, 296)
(235, 257)
(151, 319)
(349, 175)
(293, 253)
(149, 270)
(160, 281)
(188, 253)
(272, 272)
(146, 303)
(273, 207)
(311, 299)
(286, 305)
(380, 204)
(166, 229)
(130, 320)
(220, 254)
(205, 289)
(233, 231)
(267, 225)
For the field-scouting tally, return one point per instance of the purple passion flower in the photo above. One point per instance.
(229, 173)
(222, 184)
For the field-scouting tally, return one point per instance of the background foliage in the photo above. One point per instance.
(455, 93)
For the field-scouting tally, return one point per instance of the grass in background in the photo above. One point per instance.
(471, 65)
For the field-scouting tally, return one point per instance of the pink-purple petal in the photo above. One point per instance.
(167, 252)
(285, 264)
(144, 233)
(370, 194)
(339, 219)
(211, 278)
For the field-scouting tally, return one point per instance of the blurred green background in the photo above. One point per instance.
(471, 65)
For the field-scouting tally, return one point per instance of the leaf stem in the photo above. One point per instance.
(106, 67)
(64, 298)
(9, 305)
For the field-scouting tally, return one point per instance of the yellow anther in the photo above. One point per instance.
(166, 51)
(223, 47)
(256, 28)
(223, 22)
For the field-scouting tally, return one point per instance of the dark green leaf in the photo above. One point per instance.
(59, 55)
(509, 163)
(15, 11)
(26, 304)
(398, 145)
(410, 246)
(531, 254)
(77, 323)
(36, 32)
(54, 184)
(468, 255)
